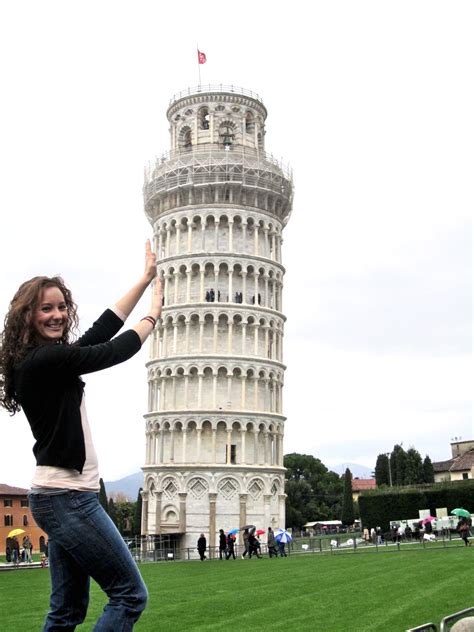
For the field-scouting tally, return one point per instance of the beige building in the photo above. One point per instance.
(460, 466)
(360, 485)
(218, 204)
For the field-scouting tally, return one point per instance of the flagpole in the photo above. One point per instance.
(199, 65)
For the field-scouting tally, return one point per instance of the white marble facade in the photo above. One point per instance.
(218, 204)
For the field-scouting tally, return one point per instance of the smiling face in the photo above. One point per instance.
(50, 317)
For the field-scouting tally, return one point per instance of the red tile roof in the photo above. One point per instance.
(361, 484)
(8, 490)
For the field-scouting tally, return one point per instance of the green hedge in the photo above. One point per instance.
(379, 506)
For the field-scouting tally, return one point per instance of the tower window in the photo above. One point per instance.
(249, 123)
(232, 457)
(204, 118)
(8, 520)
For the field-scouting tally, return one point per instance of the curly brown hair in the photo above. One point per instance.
(19, 333)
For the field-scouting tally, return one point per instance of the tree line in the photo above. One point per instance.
(402, 467)
(316, 493)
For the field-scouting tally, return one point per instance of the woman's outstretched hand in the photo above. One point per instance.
(150, 262)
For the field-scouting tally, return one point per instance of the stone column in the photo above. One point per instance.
(214, 390)
(144, 513)
(189, 274)
(185, 434)
(244, 287)
(242, 512)
(158, 499)
(243, 393)
(231, 247)
(198, 447)
(178, 237)
(187, 324)
(244, 336)
(212, 523)
(228, 444)
(176, 286)
(182, 511)
(201, 286)
(190, 238)
(229, 335)
(230, 273)
(214, 440)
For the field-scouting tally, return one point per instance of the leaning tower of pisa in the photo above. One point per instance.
(217, 203)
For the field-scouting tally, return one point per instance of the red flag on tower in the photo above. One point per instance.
(201, 57)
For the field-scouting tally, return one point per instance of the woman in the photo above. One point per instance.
(40, 371)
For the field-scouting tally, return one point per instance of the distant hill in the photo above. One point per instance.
(357, 471)
(128, 486)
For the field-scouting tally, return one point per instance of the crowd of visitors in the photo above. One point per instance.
(250, 542)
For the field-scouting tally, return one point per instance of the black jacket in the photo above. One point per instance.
(49, 388)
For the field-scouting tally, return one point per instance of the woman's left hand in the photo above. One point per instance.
(150, 262)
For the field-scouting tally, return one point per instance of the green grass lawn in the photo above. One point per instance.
(386, 591)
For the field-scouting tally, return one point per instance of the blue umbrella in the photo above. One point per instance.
(281, 535)
(233, 531)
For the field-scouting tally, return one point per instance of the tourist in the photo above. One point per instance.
(202, 546)
(222, 544)
(230, 546)
(245, 538)
(41, 373)
(271, 543)
(253, 545)
(463, 530)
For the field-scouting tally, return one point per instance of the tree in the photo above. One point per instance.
(112, 512)
(428, 470)
(347, 513)
(398, 465)
(137, 523)
(414, 467)
(406, 468)
(103, 496)
(313, 492)
(382, 475)
(125, 513)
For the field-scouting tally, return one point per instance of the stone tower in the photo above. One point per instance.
(217, 203)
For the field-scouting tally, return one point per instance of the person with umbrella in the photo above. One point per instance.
(282, 537)
(245, 538)
(253, 545)
(230, 545)
(463, 530)
(41, 371)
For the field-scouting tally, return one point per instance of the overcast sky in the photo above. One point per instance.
(370, 102)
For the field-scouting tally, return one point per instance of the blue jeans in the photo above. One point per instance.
(84, 543)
